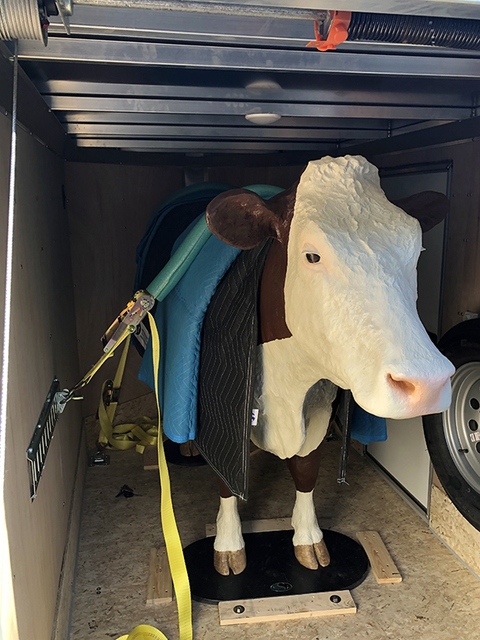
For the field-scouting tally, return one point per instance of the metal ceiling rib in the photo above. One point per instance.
(311, 95)
(171, 25)
(219, 132)
(229, 146)
(245, 58)
(105, 117)
(448, 8)
(134, 79)
(207, 107)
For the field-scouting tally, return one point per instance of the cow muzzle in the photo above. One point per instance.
(408, 390)
(415, 395)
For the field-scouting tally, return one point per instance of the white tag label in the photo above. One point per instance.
(254, 417)
(475, 437)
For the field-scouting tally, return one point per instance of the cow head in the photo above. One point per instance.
(350, 283)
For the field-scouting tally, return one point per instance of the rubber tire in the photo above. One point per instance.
(460, 345)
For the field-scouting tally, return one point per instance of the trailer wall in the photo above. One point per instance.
(43, 344)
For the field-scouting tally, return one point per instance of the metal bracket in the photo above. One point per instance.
(99, 459)
(344, 418)
(141, 303)
(65, 9)
(42, 436)
(111, 395)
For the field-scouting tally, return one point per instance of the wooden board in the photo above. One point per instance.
(159, 586)
(383, 567)
(255, 526)
(311, 605)
(436, 482)
(69, 564)
(453, 530)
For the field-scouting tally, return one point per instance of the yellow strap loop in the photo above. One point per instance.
(170, 531)
(172, 539)
(140, 434)
(144, 632)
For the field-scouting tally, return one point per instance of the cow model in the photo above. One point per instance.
(337, 309)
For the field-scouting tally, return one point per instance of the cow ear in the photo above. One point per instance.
(429, 207)
(241, 218)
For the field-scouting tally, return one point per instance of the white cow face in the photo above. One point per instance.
(351, 290)
(350, 286)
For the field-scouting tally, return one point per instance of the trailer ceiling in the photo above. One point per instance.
(176, 84)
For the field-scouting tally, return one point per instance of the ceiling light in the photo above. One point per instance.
(263, 118)
(263, 86)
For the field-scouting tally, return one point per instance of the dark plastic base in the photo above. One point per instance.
(173, 455)
(273, 570)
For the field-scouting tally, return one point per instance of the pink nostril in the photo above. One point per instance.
(403, 386)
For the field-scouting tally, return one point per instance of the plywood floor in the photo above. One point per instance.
(438, 599)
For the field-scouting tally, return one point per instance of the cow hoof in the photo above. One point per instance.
(223, 561)
(322, 554)
(188, 449)
(307, 555)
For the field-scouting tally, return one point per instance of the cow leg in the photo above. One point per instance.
(229, 547)
(308, 542)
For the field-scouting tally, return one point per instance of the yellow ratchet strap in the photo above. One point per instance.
(170, 532)
(172, 539)
(87, 378)
(138, 434)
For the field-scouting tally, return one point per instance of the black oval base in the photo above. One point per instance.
(273, 570)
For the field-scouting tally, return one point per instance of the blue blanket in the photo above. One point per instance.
(179, 318)
(367, 427)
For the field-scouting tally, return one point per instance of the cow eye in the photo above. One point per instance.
(312, 257)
